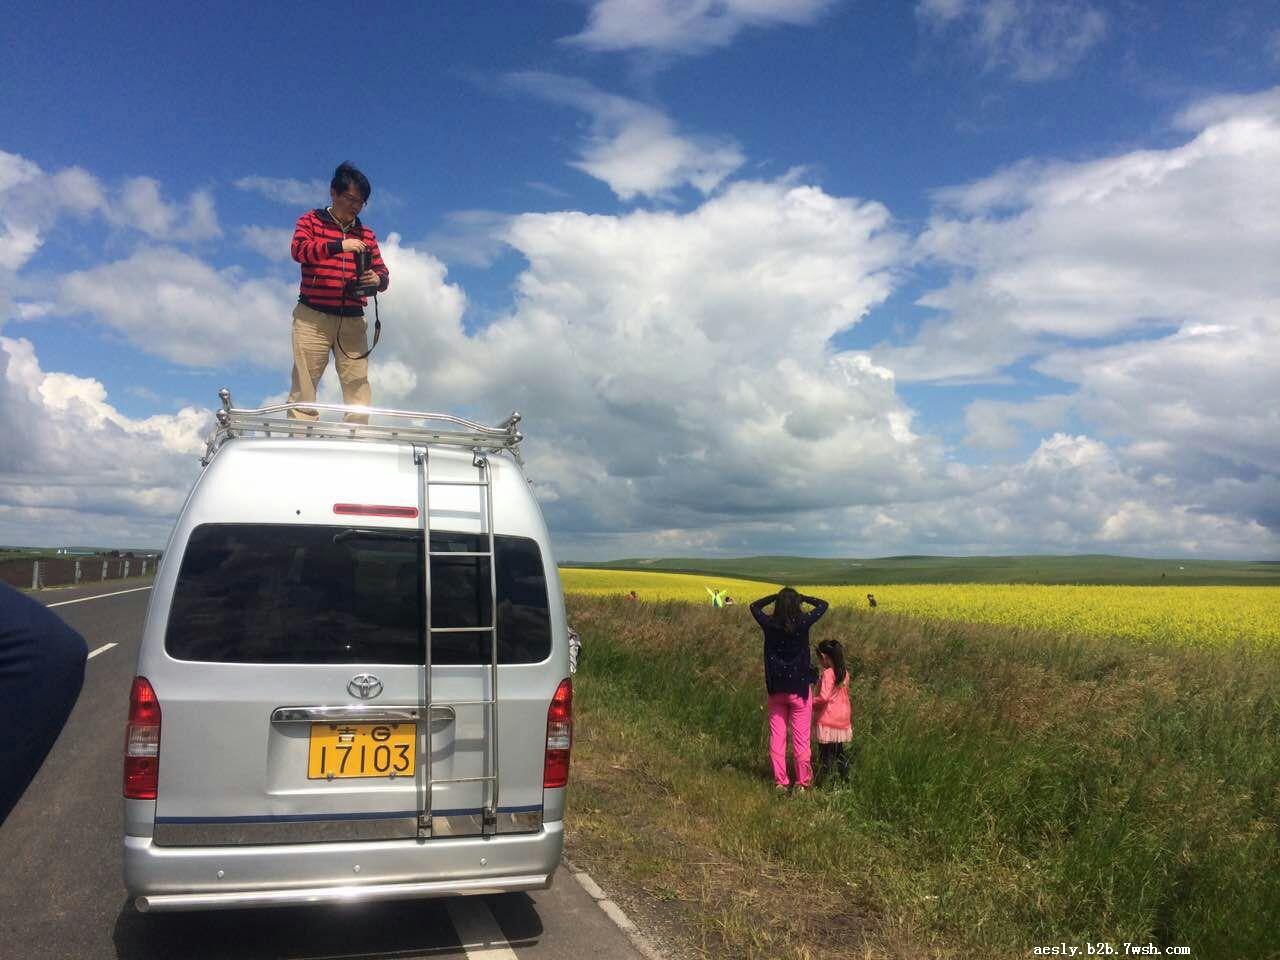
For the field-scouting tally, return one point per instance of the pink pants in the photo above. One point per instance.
(784, 707)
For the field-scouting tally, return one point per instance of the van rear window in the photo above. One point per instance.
(289, 593)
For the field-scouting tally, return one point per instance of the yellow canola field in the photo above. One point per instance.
(1189, 615)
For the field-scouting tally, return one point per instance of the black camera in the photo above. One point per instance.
(364, 263)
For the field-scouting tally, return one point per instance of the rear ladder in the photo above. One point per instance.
(489, 812)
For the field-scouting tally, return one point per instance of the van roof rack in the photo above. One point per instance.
(410, 426)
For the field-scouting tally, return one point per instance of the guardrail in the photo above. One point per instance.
(57, 573)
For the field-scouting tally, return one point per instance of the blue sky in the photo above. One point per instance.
(765, 276)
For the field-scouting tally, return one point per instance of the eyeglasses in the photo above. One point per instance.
(353, 198)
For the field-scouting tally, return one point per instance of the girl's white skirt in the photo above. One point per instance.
(834, 734)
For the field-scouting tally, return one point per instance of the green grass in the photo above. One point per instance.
(1010, 789)
(24, 553)
(1085, 569)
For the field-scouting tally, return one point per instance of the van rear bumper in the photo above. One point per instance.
(160, 903)
(219, 878)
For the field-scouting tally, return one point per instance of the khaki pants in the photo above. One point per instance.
(315, 336)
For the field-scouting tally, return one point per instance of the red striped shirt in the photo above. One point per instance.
(326, 268)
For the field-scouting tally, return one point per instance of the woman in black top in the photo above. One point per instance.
(788, 672)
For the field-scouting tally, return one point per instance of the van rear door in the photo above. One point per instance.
(294, 693)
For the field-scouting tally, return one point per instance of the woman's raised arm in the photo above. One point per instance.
(757, 607)
(819, 607)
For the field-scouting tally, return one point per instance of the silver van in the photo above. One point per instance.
(353, 682)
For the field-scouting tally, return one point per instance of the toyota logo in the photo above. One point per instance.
(365, 686)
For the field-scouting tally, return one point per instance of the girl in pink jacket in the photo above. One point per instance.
(832, 710)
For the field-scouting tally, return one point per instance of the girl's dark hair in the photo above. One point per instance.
(348, 176)
(833, 650)
(786, 610)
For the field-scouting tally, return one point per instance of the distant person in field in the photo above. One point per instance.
(329, 318)
(41, 672)
(788, 675)
(633, 595)
(717, 596)
(575, 650)
(832, 711)
(871, 600)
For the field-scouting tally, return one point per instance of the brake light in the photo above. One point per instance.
(555, 770)
(142, 742)
(375, 510)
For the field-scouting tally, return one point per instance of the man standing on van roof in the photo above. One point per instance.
(328, 317)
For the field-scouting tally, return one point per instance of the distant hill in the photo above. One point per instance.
(1088, 568)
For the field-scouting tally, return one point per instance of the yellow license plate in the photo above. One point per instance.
(361, 750)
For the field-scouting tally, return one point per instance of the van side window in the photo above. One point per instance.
(291, 593)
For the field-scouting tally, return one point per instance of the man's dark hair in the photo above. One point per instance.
(348, 176)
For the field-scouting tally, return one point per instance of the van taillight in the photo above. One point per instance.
(555, 771)
(142, 742)
(375, 510)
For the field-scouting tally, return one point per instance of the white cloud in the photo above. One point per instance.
(33, 201)
(1035, 40)
(1166, 257)
(681, 393)
(633, 147)
(140, 205)
(33, 310)
(271, 242)
(471, 237)
(20, 242)
(73, 469)
(686, 26)
(396, 380)
(1073, 494)
(1261, 107)
(674, 368)
(173, 305)
(666, 413)
(1084, 497)
(287, 190)
(1138, 243)
(1203, 393)
(15, 171)
(82, 402)
(991, 423)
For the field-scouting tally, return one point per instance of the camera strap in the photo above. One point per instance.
(377, 324)
(377, 333)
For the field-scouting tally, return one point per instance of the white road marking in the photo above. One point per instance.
(477, 930)
(99, 596)
(102, 649)
(614, 913)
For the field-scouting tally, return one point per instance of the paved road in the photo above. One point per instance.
(61, 893)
